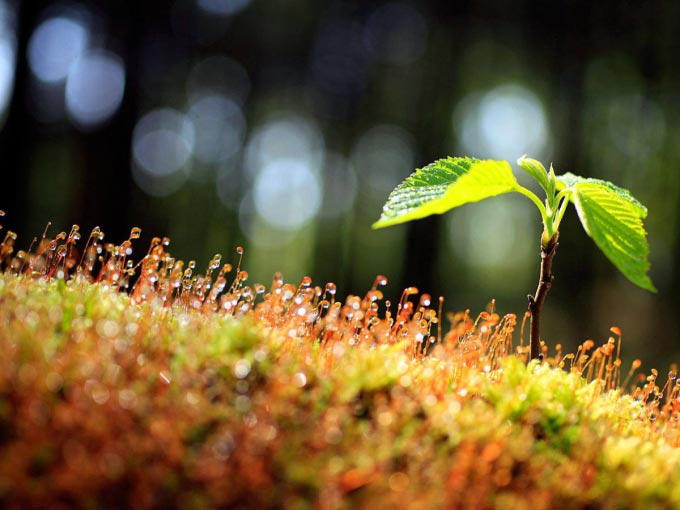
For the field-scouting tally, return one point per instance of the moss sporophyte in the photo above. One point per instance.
(610, 215)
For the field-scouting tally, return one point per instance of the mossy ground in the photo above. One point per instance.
(125, 400)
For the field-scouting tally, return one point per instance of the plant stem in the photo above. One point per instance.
(548, 250)
(537, 201)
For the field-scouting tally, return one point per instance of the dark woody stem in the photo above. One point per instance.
(536, 301)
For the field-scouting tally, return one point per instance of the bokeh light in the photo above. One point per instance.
(503, 123)
(95, 88)
(287, 193)
(162, 144)
(284, 137)
(494, 238)
(7, 66)
(7, 56)
(283, 161)
(54, 46)
(220, 127)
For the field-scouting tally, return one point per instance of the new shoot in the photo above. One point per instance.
(610, 215)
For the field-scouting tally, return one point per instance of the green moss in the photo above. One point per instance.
(109, 404)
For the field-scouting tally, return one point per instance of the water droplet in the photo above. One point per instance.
(242, 368)
(135, 233)
(374, 295)
(300, 380)
(99, 393)
(380, 280)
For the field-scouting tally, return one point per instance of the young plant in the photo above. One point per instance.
(610, 215)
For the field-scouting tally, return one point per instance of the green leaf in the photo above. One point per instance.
(569, 180)
(614, 221)
(445, 184)
(535, 169)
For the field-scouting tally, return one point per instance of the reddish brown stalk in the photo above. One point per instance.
(536, 301)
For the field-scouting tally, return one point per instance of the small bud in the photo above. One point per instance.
(552, 182)
(536, 170)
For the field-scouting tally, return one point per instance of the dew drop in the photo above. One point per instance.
(242, 368)
(99, 393)
(300, 380)
(374, 295)
(380, 280)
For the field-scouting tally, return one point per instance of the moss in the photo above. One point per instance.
(195, 399)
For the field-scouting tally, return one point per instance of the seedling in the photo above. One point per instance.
(610, 215)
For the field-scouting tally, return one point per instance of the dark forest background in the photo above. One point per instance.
(282, 126)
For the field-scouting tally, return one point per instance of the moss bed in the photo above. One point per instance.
(188, 392)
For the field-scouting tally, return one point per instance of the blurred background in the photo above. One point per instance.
(282, 126)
